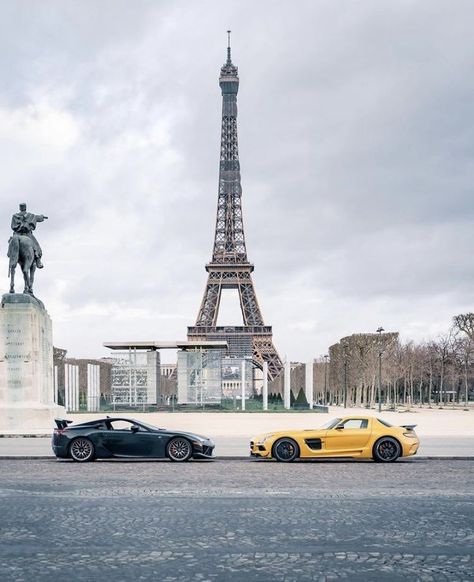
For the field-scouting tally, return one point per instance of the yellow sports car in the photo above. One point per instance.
(365, 437)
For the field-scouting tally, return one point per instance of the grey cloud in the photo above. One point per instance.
(356, 143)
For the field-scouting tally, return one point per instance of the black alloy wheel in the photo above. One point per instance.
(285, 450)
(386, 450)
(81, 450)
(179, 449)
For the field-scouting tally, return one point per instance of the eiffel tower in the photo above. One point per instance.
(230, 268)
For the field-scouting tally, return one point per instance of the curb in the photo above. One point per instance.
(25, 436)
(246, 458)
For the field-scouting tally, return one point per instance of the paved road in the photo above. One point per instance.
(236, 520)
(238, 446)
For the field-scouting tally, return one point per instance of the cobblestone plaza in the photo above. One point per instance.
(236, 520)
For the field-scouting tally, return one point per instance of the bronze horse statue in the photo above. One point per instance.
(21, 251)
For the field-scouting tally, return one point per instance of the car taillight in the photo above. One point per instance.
(411, 434)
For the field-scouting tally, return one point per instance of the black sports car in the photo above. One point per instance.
(126, 438)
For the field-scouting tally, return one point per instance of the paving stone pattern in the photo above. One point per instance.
(236, 520)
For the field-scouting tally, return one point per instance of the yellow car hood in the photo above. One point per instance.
(294, 433)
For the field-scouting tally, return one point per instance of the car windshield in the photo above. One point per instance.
(331, 423)
(148, 426)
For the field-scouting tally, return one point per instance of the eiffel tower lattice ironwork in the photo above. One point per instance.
(230, 268)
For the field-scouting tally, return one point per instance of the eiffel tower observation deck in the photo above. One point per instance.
(229, 267)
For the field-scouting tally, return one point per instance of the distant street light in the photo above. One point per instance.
(379, 384)
(326, 392)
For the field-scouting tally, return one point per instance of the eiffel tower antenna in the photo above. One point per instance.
(229, 60)
(229, 267)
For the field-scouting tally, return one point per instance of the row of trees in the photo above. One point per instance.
(438, 371)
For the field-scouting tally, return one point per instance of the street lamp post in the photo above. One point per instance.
(379, 383)
(344, 354)
(326, 392)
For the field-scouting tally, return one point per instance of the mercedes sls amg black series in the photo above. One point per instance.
(126, 438)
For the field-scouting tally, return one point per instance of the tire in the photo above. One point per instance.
(179, 450)
(285, 450)
(82, 450)
(386, 450)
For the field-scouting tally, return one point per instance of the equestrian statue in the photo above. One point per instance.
(24, 249)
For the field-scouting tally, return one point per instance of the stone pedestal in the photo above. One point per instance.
(26, 366)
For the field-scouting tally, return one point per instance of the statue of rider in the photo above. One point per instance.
(24, 223)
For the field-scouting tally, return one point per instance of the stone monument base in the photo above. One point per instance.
(30, 419)
(26, 366)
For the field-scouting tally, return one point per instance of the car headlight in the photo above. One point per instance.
(264, 439)
(202, 442)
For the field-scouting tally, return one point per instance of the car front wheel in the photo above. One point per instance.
(285, 450)
(81, 450)
(386, 450)
(179, 449)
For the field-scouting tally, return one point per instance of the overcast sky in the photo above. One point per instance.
(356, 140)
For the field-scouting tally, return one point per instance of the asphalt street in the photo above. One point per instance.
(236, 520)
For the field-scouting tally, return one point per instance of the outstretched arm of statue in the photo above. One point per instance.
(40, 217)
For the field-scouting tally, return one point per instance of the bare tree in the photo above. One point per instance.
(464, 323)
(354, 367)
(444, 347)
(411, 372)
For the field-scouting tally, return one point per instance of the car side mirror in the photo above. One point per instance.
(339, 427)
(135, 428)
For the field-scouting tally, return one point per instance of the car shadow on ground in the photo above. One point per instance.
(244, 460)
(137, 460)
(340, 460)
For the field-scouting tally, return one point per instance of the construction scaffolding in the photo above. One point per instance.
(135, 378)
(199, 377)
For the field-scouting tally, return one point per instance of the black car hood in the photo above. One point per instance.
(190, 434)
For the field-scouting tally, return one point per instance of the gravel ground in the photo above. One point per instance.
(236, 520)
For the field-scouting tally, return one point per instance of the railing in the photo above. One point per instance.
(241, 329)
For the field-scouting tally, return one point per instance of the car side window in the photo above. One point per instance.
(356, 423)
(120, 425)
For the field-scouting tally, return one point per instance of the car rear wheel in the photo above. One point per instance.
(179, 449)
(82, 450)
(285, 450)
(386, 450)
